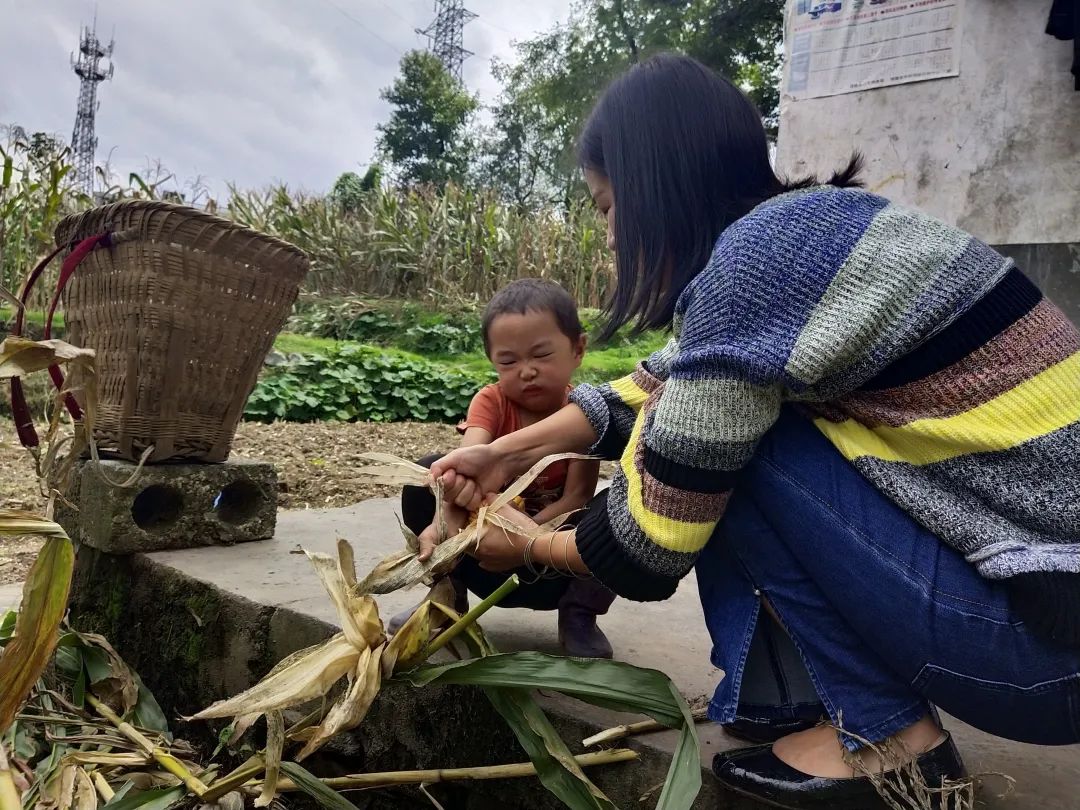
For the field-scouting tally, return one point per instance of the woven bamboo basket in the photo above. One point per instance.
(181, 308)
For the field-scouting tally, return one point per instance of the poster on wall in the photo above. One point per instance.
(844, 46)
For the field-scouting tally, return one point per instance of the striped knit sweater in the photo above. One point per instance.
(925, 357)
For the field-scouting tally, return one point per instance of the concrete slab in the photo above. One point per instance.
(10, 596)
(669, 636)
(173, 505)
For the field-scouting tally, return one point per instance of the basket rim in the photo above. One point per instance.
(70, 225)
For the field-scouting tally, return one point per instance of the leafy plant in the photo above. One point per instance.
(442, 338)
(360, 383)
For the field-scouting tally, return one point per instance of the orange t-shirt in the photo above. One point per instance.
(491, 410)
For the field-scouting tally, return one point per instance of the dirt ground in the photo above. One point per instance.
(316, 466)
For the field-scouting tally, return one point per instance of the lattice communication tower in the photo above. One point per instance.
(88, 66)
(446, 34)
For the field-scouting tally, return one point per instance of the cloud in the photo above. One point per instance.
(247, 91)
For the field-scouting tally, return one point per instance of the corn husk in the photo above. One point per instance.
(21, 356)
(275, 744)
(310, 674)
(404, 569)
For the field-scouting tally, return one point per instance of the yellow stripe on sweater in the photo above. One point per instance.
(632, 395)
(1047, 402)
(670, 534)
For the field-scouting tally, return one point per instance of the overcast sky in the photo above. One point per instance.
(248, 91)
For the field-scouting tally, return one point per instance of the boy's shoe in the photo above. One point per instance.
(460, 605)
(579, 636)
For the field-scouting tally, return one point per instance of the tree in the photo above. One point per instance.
(426, 139)
(348, 192)
(523, 146)
(558, 75)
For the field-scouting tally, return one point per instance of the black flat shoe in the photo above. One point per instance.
(758, 773)
(765, 732)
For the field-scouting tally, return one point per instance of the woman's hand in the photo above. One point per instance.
(501, 549)
(468, 474)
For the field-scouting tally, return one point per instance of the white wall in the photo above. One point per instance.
(995, 151)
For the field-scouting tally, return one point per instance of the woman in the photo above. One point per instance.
(865, 432)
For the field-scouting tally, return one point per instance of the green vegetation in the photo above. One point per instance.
(328, 379)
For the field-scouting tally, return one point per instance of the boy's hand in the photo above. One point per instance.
(456, 520)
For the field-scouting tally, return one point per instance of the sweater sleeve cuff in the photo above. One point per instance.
(608, 444)
(609, 563)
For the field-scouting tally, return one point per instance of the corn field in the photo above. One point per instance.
(455, 246)
(35, 194)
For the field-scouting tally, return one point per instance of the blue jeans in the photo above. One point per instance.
(886, 620)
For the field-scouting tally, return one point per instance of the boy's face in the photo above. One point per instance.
(534, 359)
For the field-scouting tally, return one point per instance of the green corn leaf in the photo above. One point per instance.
(313, 787)
(154, 799)
(555, 765)
(610, 684)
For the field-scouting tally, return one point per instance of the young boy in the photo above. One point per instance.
(533, 338)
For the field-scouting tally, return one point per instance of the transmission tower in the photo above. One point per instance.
(91, 72)
(445, 34)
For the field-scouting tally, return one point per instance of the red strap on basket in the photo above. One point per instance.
(24, 424)
(20, 412)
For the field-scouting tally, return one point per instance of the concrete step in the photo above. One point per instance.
(205, 623)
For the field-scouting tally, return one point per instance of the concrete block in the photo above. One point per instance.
(171, 506)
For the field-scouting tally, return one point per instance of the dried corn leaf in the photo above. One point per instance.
(59, 792)
(392, 477)
(16, 521)
(347, 561)
(11, 298)
(508, 525)
(523, 483)
(409, 640)
(304, 677)
(357, 615)
(352, 707)
(148, 780)
(275, 744)
(19, 356)
(44, 600)
(106, 759)
(412, 542)
(116, 686)
(396, 462)
(85, 795)
(440, 511)
(403, 570)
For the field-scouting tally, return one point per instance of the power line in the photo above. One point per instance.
(393, 11)
(490, 24)
(344, 13)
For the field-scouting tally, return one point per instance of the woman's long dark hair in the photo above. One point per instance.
(687, 155)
